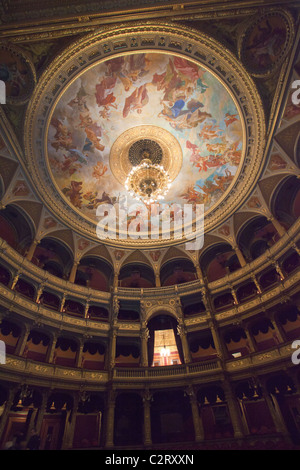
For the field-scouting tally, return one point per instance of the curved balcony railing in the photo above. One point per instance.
(63, 287)
(14, 301)
(19, 368)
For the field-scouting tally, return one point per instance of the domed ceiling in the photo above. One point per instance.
(170, 93)
(139, 90)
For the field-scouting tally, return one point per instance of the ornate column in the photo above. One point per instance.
(144, 335)
(62, 303)
(116, 279)
(51, 349)
(253, 277)
(239, 255)
(115, 308)
(181, 329)
(199, 273)
(221, 351)
(79, 355)
(22, 342)
(41, 411)
(7, 407)
(275, 412)
(296, 248)
(233, 293)
(31, 249)
(110, 411)
(15, 280)
(70, 425)
(280, 335)
(39, 293)
(206, 300)
(280, 229)
(147, 398)
(111, 357)
(278, 270)
(157, 280)
(197, 421)
(251, 341)
(234, 410)
(73, 271)
(86, 309)
(31, 420)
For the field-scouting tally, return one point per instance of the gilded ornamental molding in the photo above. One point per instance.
(99, 46)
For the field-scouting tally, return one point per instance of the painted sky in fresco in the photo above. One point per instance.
(144, 89)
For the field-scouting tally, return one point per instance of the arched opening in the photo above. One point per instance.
(98, 313)
(286, 201)
(89, 419)
(268, 279)
(54, 257)
(50, 300)
(5, 276)
(25, 288)
(95, 273)
(88, 428)
(128, 426)
(246, 291)
(74, 308)
(127, 352)
(191, 305)
(236, 342)
(37, 346)
(214, 412)
(15, 228)
(223, 301)
(264, 334)
(171, 417)
(93, 355)
(257, 236)
(202, 346)
(53, 425)
(289, 319)
(136, 275)
(218, 261)
(282, 389)
(65, 352)
(177, 271)
(291, 262)
(164, 344)
(10, 334)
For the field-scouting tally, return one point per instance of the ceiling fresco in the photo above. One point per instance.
(154, 89)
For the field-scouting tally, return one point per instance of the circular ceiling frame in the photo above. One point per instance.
(153, 37)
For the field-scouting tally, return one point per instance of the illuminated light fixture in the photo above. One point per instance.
(237, 354)
(164, 352)
(148, 182)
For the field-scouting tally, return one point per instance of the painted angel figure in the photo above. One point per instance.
(136, 101)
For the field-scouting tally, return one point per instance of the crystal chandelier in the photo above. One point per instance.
(164, 352)
(148, 181)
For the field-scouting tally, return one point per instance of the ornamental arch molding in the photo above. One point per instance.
(115, 42)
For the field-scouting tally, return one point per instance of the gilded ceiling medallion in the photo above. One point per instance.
(145, 142)
(195, 111)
